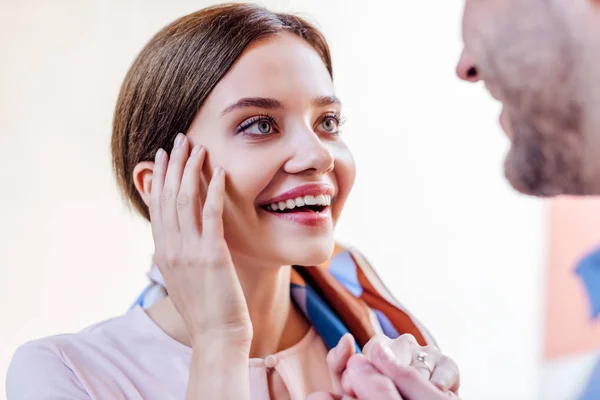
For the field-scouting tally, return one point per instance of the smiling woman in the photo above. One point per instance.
(227, 139)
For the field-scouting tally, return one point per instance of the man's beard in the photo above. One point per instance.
(546, 157)
(534, 67)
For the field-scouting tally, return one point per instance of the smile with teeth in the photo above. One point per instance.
(301, 204)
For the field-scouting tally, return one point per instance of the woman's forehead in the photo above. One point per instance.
(284, 67)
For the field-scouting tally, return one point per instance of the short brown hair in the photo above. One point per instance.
(176, 71)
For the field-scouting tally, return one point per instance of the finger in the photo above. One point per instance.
(337, 359)
(188, 199)
(427, 365)
(367, 382)
(324, 396)
(212, 213)
(446, 375)
(179, 156)
(158, 181)
(329, 396)
(410, 383)
(384, 340)
(405, 348)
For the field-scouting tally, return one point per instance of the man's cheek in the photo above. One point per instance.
(506, 124)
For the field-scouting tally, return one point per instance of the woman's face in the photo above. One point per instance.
(273, 124)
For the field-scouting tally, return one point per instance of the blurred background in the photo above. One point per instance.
(430, 208)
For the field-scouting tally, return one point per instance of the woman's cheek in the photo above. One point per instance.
(248, 178)
(345, 174)
(345, 167)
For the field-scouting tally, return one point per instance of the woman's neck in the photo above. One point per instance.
(277, 323)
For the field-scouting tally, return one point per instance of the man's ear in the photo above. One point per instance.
(142, 179)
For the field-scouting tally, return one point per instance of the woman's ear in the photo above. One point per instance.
(142, 179)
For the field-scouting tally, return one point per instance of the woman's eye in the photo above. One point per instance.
(260, 127)
(330, 125)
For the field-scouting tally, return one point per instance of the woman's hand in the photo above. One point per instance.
(195, 262)
(391, 369)
(440, 370)
(191, 252)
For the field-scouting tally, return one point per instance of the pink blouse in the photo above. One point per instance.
(130, 357)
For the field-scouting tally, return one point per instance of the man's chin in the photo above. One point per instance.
(541, 191)
(529, 179)
(550, 185)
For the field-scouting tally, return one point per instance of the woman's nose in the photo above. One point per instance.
(310, 154)
(466, 68)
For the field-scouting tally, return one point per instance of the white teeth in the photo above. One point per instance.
(290, 204)
(310, 200)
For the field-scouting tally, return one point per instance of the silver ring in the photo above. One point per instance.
(421, 357)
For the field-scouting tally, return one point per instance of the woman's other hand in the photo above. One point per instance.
(384, 379)
(412, 371)
(437, 368)
(186, 213)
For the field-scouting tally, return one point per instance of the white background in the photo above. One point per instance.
(430, 208)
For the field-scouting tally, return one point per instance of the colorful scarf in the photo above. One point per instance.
(343, 295)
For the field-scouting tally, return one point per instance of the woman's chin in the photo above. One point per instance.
(309, 252)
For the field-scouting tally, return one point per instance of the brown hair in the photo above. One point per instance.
(176, 71)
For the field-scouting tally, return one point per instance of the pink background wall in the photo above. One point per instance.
(574, 231)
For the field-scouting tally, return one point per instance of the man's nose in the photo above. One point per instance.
(466, 68)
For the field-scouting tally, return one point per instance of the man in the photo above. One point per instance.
(541, 60)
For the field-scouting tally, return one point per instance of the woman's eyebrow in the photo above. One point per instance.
(253, 102)
(323, 101)
(271, 104)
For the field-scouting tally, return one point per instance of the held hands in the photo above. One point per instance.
(186, 214)
(389, 369)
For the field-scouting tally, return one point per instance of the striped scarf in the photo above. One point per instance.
(343, 295)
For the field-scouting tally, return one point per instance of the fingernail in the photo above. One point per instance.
(196, 149)
(159, 155)
(217, 171)
(351, 342)
(339, 349)
(348, 336)
(179, 139)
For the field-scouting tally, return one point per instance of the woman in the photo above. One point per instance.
(252, 187)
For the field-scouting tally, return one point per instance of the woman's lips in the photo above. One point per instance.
(307, 205)
(311, 189)
(305, 217)
(301, 202)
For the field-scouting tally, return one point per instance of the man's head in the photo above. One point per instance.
(541, 59)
